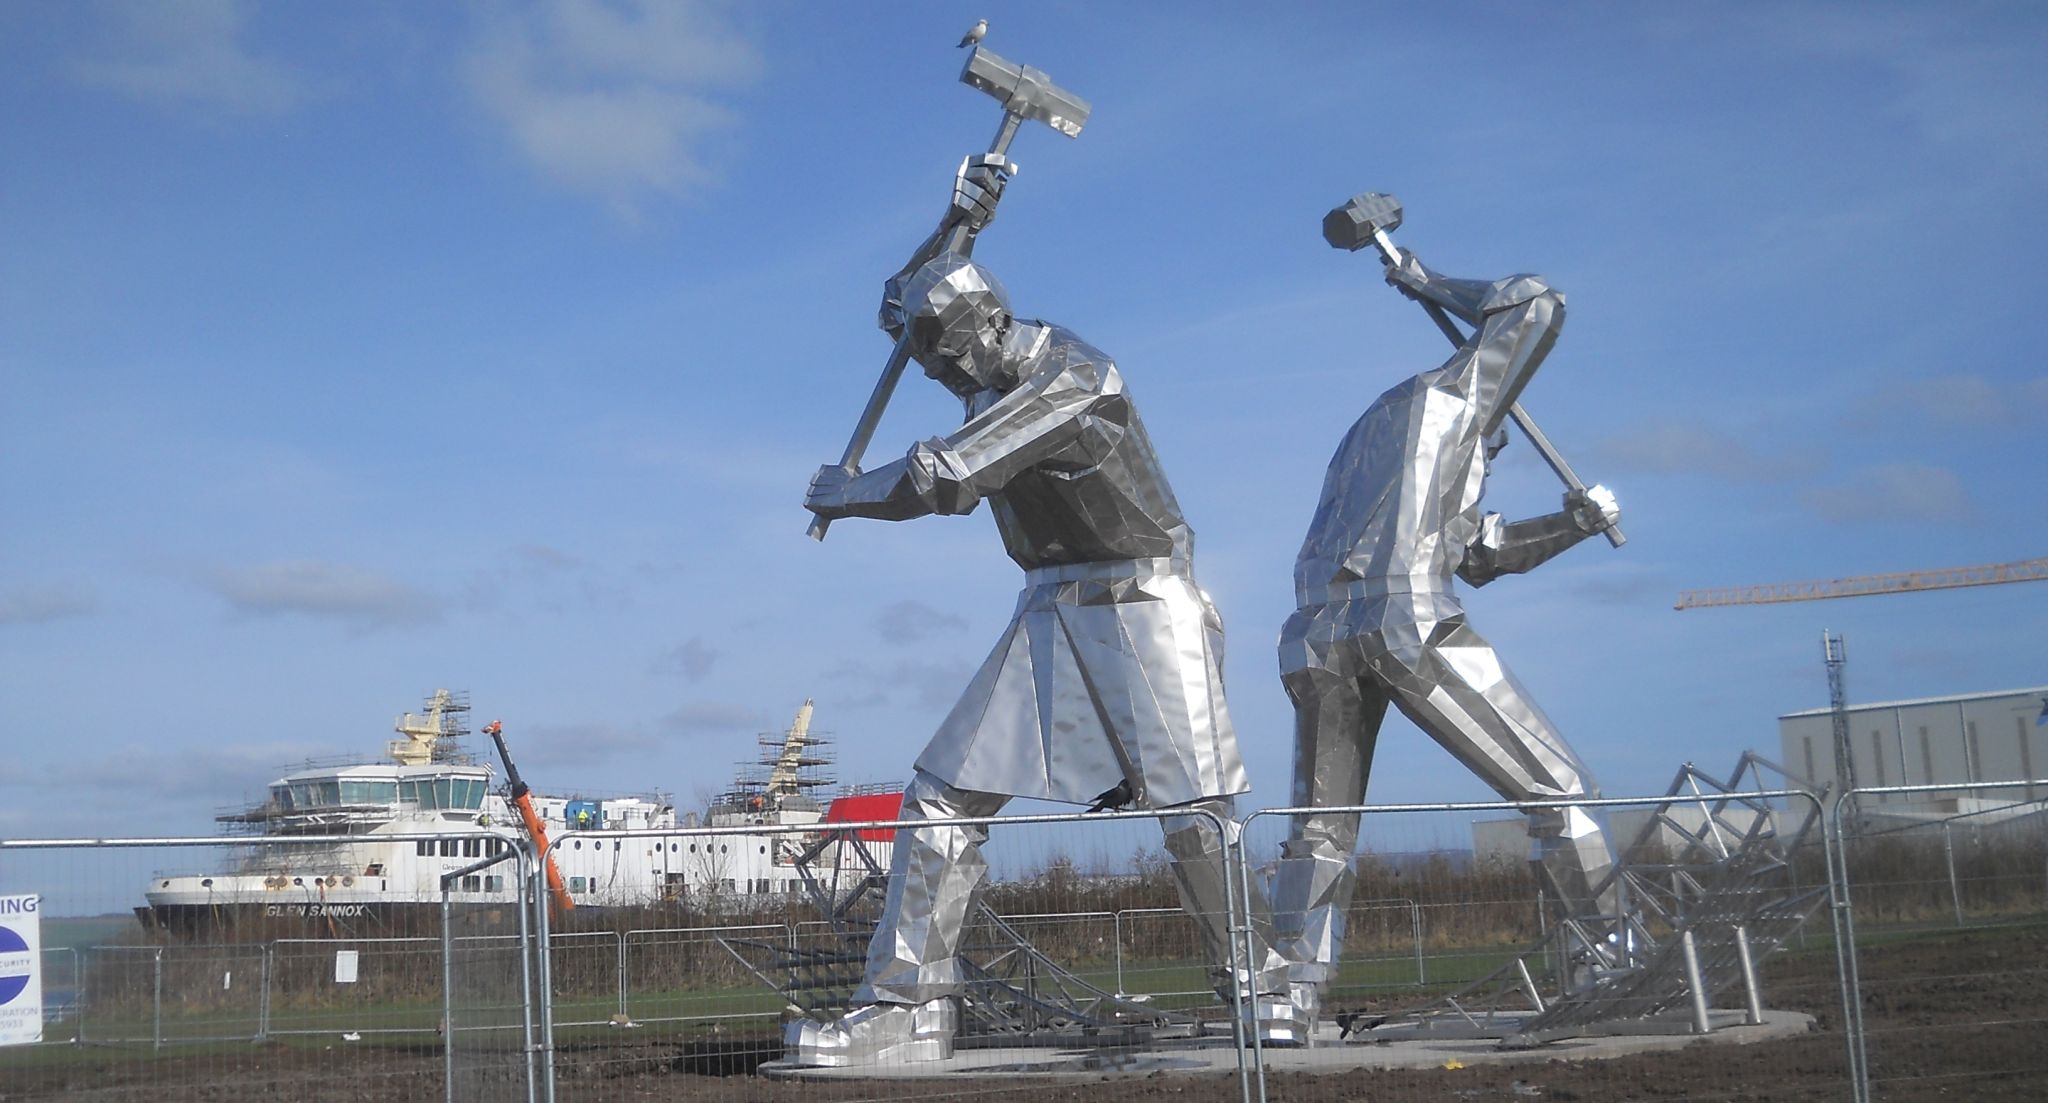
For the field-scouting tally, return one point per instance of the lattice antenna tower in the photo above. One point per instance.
(1836, 653)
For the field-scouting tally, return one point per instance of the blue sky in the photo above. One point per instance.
(351, 351)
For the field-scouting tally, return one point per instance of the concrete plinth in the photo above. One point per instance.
(1328, 1055)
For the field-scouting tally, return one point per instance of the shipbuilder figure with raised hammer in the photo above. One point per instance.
(1379, 621)
(1106, 687)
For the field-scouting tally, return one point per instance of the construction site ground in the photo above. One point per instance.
(1951, 1016)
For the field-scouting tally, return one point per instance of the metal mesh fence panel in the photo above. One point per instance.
(1460, 978)
(488, 1032)
(1947, 889)
(1074, 953)
(231, 968)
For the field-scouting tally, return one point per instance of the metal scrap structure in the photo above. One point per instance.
(1014, 993)
(1703, 913)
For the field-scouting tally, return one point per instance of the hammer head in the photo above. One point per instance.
(1353, 225)
(1025, 92)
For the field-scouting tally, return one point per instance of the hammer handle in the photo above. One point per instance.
(1528, 425)
(870, 417)
(960, 240)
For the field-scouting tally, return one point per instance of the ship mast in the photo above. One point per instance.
(783, 780)
(786, 771)
(425, 735)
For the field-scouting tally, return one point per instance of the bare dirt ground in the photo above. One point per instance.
(1958, 1016)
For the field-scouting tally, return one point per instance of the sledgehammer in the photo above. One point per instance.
(1364, 220)
(1025, 93)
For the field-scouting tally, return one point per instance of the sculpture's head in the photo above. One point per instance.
(957, 315)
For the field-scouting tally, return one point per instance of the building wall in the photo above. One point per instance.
(1965, 738)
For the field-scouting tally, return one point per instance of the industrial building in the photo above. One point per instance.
(1999, 736)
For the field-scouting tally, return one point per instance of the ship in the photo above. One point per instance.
(320, 857)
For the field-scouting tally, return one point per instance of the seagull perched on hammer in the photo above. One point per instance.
(974, 34)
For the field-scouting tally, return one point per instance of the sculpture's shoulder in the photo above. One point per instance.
(1061, 354)
(1518, 289)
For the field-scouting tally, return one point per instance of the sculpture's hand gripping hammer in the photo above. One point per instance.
(1364, 220)
(1025, 93)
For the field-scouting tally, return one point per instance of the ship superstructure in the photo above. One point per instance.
(429, 783)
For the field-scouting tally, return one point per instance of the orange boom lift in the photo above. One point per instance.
(535, 829)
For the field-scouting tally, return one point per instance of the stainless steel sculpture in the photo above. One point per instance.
(1378, 619)
(1106, 687)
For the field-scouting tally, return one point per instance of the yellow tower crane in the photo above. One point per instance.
(1836, 654)
(1945, 578)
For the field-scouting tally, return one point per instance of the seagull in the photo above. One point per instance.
(974, 34)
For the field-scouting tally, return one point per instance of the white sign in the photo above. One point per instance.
(21, 970)
(344, 966)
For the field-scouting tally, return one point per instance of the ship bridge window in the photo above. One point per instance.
(282, 796)
(313, 794)
(369, 792)
(446, 792)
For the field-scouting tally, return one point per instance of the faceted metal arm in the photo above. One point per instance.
(1025, 93)
(1517, 547)
(1528, 425)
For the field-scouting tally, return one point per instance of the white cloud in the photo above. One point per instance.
(190, 54)
(1669, 447)
(543, 559)
(713, 716)
(213, 772)
(1895, 492)
(41, 604)
(330, 590)
(579, 744)
(929, 684)
(611, 99)
(692, 658)
(912, 621)
(1967, 78)
(1963, 399)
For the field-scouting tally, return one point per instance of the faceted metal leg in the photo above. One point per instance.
(1200, 864)
(1336, 725)
(904, 1010)
(1572, 855)
(1200, 854)
(934, 873)
(1457, 689)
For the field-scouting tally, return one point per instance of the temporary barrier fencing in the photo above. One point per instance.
(1469, 930)
(731, 1028)
(1933, 978)
(489, 998)
(1945, 954)
(241, 994)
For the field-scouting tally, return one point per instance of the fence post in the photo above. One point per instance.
(1415, 922)
(623, 1017)
(1955, 888)
(447, 997)
(156, 1029)
(263, 995)
(1116, 929)
(527, 1008)
(544, 984)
